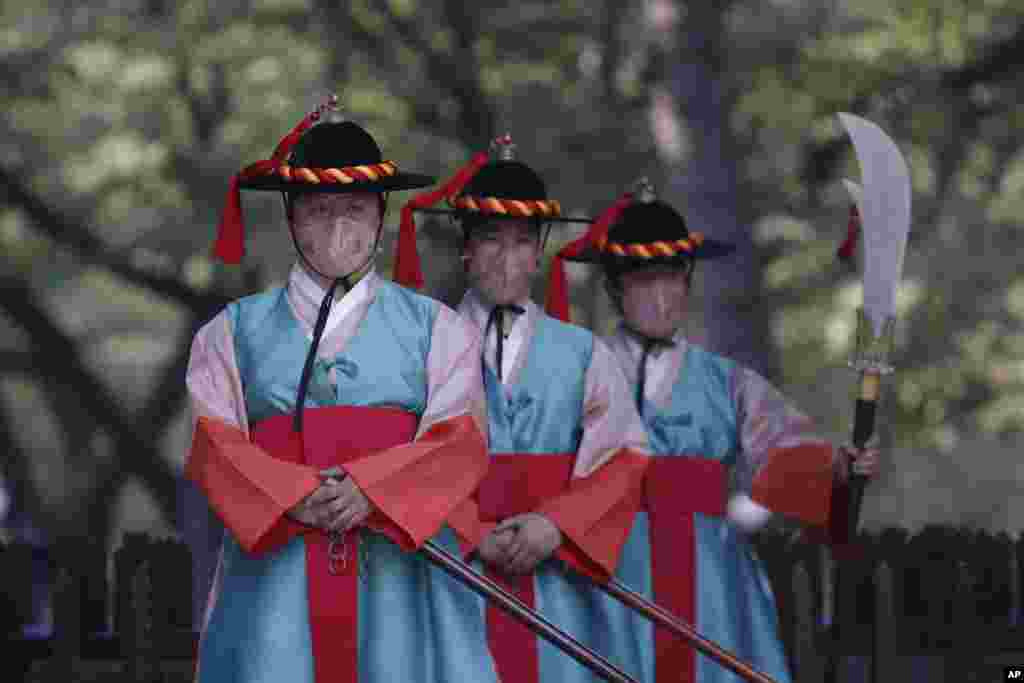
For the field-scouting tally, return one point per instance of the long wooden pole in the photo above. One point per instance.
(662, 617)
(517, 609)
(593, 661)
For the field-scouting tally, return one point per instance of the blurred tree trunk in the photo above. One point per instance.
(691, 108)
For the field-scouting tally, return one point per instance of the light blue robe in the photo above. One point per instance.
(540, 412)
(416, 624)
(734, 603)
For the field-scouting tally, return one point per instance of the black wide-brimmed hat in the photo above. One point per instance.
(322, 154)
(497, 184)
(492, 184)
(639, 230)
(643, 231)
(336, 157)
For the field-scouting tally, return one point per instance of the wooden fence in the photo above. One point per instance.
(941, 606)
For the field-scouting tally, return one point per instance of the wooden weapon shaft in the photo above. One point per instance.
(518, 610)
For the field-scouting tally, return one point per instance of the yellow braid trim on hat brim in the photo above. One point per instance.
(519, 208)
(651, 250)
(344, 175)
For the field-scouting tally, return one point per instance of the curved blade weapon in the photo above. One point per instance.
(884, 209)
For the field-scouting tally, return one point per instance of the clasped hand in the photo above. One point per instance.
(864, 462)
(336, 506)
(520, 543)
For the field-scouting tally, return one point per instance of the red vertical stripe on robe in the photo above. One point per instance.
(594, 515)
(517, 483)
(677, 487)
(671, 489)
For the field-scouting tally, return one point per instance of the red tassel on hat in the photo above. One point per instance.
(845, 252)
(407, 270)
(556, 302)
(407, 260)
(230, 244)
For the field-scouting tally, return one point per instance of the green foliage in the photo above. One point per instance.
(131, 116)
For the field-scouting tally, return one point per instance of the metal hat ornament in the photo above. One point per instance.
(323, 153)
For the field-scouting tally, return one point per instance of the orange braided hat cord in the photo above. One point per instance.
(343, 175)
(508, 207)
(653, 249)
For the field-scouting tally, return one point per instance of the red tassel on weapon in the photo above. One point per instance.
(846, 250)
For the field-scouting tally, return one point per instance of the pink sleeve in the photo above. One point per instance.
(610, 418)
(597, 511)
(214, 385)
(767, 421)
(454, 380)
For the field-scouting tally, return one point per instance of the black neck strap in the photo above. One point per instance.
(497, 318)
(649, 344)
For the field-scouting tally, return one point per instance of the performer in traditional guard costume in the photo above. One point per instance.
(705, 416)
(322, 415)
(568, 450)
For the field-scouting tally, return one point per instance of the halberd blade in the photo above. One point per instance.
(885, 215)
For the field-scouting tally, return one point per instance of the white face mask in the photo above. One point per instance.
(654, 300)
(336, 232)
(501, 260)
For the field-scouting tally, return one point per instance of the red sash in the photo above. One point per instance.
(334, 436)
(674, 489)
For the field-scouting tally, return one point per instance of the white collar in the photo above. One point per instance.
(476, 311)
(309, 294)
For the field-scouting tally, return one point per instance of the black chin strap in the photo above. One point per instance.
(497, 317)
(307, 369)
(649, 344)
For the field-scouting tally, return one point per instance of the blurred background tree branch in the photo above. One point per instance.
(124, 120)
